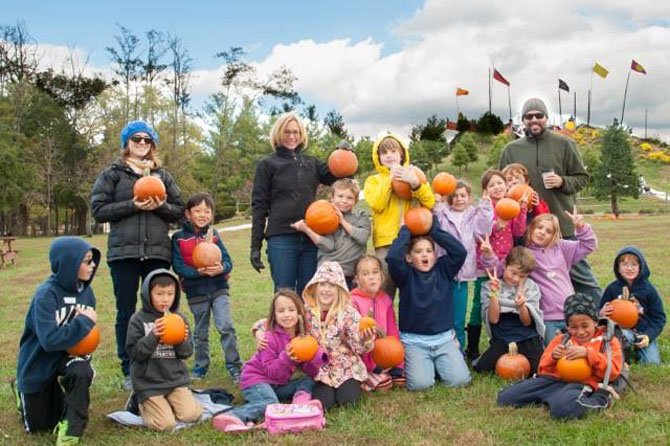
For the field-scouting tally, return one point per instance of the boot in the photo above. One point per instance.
(474, 332)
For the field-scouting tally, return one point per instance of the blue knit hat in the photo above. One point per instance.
(136, 127)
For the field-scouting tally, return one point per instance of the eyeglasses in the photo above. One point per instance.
(291, 132)
(138, 139)
(629, 265)
(529, 116)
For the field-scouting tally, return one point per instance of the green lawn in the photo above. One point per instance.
(439, 416)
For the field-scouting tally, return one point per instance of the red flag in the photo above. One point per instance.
(637, 67)
(499, 77)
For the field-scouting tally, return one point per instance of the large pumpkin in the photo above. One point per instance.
(304, 347)
(624, 313)
(418, 220)
(507, 209)
(388, 352)
(573, 370)
(512, 365)
(518, 191)
(403, 189)
(88, 344)
(206, 254)
(444, 183)
(149, 186)
(321, 217)
(342, 163)
(175, 329)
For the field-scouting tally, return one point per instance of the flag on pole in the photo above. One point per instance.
(600, 70)
(637, 67)
(499, 77)
(563, 86)
(462, 92)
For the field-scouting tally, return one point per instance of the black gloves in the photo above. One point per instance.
(255, 258)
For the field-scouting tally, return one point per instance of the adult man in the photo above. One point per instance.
(557, 173)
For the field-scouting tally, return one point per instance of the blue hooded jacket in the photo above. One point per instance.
(652, 321)
(52, 325)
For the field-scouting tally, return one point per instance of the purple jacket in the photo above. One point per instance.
(272, 365)
(477, 222)
(552, 270)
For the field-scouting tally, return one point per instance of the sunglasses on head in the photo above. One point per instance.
(139, 139)
(529, 116)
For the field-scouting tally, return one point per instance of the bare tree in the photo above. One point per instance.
(179, 81)
(152, 66)
(127, 62)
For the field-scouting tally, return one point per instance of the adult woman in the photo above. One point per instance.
(138, 242)
(285, 184)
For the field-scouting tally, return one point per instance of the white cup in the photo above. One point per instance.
(545, 175)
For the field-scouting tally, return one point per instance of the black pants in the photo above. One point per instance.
(67, 397)
(531, 348)
(126, 277)
(348, 393)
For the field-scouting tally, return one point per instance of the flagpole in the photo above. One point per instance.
(588, 108)
(509, 101)
(574, 107)
(645, 123)
(560, 108)
(458, 107)
(625, 92)
(489, 90)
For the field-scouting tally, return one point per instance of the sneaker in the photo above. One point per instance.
(128, 384)
(198, 373)
(63, 438)
(17, 397)
(236, 374)
(230, 424)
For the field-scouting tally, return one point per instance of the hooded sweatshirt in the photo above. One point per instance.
(387, 208)
(155, 368)
(51, 325)
(652, 320)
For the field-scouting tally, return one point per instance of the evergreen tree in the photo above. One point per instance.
(490, 123)
(459, 157)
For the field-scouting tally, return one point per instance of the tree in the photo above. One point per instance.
(126, 62)
(459, 157)
(499, 143)
(462, 124)
(179, 81)
(152, 66)
(615, 176)
(432, 130)
(363, 151)
(490, 123)
(335, 124)
(18, 55)
(468, 146)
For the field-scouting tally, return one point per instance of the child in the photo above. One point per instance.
(52, 386)
(466, 223)
(266, 377)
(158, 371)
(349, 242)
(632, 272)
(371, 300)
(206, 288)
(511, 311)
(586, 339)
(391, 160)
(426, 306)
(554, 257)
(516, 173)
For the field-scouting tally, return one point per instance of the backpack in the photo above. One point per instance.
(292, 418)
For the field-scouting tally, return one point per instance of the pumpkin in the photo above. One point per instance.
(304, 346)
(149, 186)
(367, 322)
(321, 217)
(512, 365)
(444, 183)
(206, 253)
(624, 313)
(175, 329)
(342, 163)
(573, 370)
(507, 209)
(87, 345)
(403, 189)
(418, 220)
(388, 352)
(517, 192)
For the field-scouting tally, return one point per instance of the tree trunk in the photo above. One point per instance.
(615, 205)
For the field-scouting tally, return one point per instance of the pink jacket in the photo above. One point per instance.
(502, 239)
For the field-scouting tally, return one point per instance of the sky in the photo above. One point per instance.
(391, 64)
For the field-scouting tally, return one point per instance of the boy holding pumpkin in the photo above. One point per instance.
(205, 282)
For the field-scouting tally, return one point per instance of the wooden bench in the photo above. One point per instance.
(7, 254)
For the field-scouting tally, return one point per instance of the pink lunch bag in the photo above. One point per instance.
(286, 418)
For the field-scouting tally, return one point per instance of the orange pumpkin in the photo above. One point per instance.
(321, 217)
(206, 254)
(304, 347)
(149, 186)
(573, 370)
(624, 313)
(507, 209)
(366, 323)
(342, 163)
(175, 329)
(444, 183)
(87, 345)
(517, 192)
(512, 365)
(388, 352)
(419, 221)
(403, 189)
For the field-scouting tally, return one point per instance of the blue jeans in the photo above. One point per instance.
(292, 260)
(423, 360)
(219, 307)
(648, 355)
(551, 328)
(460, 310)
(260, 395)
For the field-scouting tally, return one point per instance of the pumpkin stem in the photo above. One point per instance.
(625, 294)
(512, 348)
(146, 172)
(209, 235)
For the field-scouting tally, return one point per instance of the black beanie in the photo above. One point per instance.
(580, 303)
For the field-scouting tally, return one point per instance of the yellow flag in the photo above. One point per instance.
(600, 70)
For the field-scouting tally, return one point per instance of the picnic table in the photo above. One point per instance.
(7, 254)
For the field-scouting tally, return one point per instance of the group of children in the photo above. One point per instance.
(522, 294)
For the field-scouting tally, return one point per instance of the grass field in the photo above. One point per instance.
(439, 416)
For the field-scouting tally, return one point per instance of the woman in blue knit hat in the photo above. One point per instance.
(138, 241)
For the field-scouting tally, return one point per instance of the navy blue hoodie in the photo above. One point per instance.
(650, 323)
(51, 325)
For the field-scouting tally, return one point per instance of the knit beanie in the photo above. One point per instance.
(534, 104)
(136, 127)
(580, 303)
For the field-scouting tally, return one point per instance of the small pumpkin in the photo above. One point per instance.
(418, 220)
(624, 310)
(149, 186)
(512, 365)
(304, 346)
(573, 370)
(444, 183)
(175, 329)
(518, 191)
(388, 352)
(206, 253)
(507, 209)
(88, 344)
(367, 322)
(403, 189)
(342, 163)
(321, 217)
